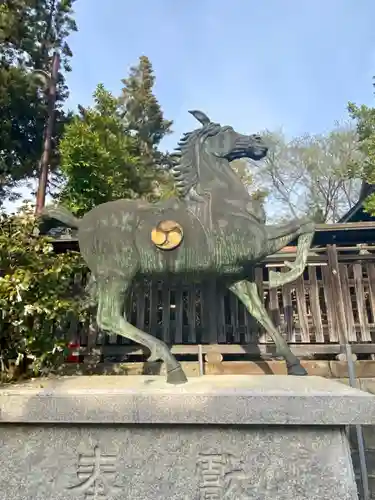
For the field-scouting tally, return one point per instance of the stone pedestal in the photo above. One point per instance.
(230, 437)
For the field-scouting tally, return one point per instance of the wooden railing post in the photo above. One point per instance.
(339, 308)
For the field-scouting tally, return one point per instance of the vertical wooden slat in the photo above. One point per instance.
(178, 338)
(209, 311)
(260, 332)
(252, 327)
(274, 307)
(220, 318)
(361, 305)
(371, 279)
(288, 312)
(302, 310)
(247, 333)
(205, 318)
(191, 315)
(331, 320)
(128, 314)
(140, 305)
(153, 318)
(233, 306)
(345, 288)
(315, 304)
(259, 282)
(338, 306)
(128, 304)
(212, 312)
(166, 314)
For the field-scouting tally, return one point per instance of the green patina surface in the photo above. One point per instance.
(225, 236)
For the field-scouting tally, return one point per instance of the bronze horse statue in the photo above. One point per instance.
(222, 234)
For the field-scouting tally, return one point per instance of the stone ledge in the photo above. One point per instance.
(239, 400)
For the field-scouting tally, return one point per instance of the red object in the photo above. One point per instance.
(74, 353)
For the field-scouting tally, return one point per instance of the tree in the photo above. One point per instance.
(21, 130)
(315, 175)
(365, 121)
(110, 150)
(99, 160)
(30, 31)
(144, 120)
(142, 113)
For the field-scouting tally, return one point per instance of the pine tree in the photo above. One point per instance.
(142, 113)
(144, 120)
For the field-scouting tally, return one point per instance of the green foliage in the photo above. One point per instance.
(142, 113)
(365, 118)
(99, 160)
(30, 31)
(144, 120)
(38, 296)
(110, 150)
(21, 129)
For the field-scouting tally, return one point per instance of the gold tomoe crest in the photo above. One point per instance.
(167, 235)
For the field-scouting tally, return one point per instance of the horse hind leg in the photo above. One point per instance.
(90, 293)
(296, 268)
(110, 318)
(247, 292)
(279, 236)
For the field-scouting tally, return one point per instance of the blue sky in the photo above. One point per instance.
(251, 64)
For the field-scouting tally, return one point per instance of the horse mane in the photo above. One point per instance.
(186, 170)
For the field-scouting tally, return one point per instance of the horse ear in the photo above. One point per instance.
(201, 117)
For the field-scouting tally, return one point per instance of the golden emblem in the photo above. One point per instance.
(167, 235)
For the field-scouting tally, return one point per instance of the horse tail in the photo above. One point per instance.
(62, 215)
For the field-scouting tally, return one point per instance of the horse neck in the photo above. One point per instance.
(217, 173)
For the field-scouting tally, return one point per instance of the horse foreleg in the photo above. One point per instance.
(110, 295)
(247, 292)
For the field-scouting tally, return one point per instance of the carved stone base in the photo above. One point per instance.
(261, 438)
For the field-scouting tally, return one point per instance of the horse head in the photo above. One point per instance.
(229, 144)
(203, 155)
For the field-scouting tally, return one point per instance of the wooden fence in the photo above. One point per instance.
(333, 301)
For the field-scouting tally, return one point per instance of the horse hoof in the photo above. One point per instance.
(297, 370)
(176, 376)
